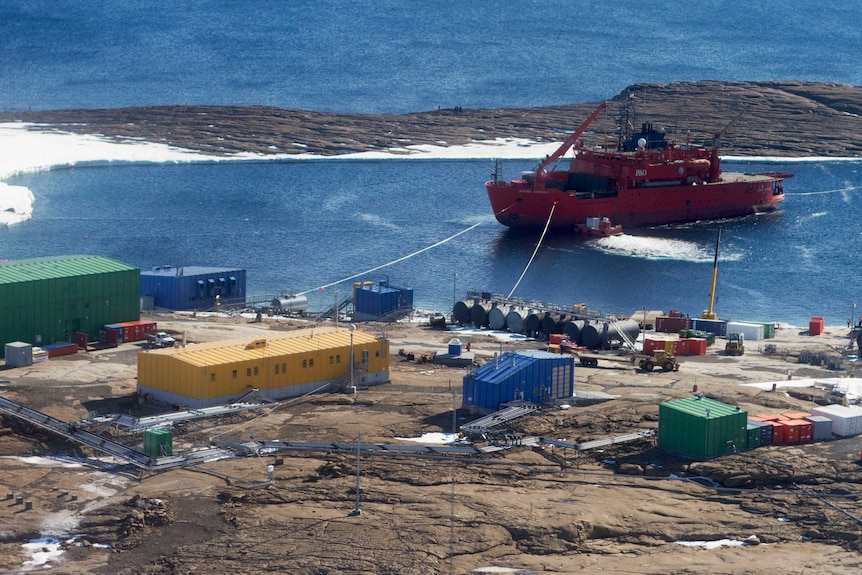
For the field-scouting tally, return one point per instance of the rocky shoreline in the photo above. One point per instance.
(778, 118)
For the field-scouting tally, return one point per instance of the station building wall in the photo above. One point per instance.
(218, 373)
(46, 300)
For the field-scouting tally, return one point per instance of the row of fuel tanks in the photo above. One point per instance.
(535, 321)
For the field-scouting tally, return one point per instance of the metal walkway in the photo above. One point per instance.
(73, 433)
(595, 443)
(136, 424)
(486, 423)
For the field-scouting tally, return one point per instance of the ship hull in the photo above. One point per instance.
(520, 205)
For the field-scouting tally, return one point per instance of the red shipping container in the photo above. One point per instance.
(802, 430)
(796, 414)
(816, 325)
(696, 346)
(671, 324)
(651, 344)
(791, 432)
(60, 348)
(779, 432)
(137, 330)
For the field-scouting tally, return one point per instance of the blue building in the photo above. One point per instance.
(534, 376)
(380, 301)
(192, 287)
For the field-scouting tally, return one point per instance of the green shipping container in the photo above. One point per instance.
(158, 442)
(753, 433)
(701, 428)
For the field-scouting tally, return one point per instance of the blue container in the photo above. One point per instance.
(533, 376)
(193, 287)
(715, 326)
(375, 300)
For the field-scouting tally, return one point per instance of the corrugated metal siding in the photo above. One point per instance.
(193, 287)
(376, 300)
(528, 376)
(45, 300)
(701, 427)
(228, 368)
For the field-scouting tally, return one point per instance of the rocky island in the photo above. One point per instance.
(776, 118)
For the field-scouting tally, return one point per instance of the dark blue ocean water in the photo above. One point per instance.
(402, 56)
(299, 225)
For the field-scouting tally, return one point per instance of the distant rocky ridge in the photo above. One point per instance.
(778, 118)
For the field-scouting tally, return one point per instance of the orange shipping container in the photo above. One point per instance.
(765, 417)
(779, 432)
(802, 430)
(816, 325)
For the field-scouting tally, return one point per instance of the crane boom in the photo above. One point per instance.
(570, 141)
(709, 314)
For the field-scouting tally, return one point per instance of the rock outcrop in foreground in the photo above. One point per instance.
(779, 118)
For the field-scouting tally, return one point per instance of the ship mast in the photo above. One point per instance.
(626, 122)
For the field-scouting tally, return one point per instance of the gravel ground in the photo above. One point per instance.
(620, 510)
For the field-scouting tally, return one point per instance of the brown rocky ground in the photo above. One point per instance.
(618, 510)
(779, 118)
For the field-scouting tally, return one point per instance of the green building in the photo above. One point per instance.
(46, 300)
(701, 428)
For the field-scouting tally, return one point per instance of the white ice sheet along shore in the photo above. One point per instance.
(24, 151)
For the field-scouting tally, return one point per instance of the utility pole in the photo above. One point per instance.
(356, 510)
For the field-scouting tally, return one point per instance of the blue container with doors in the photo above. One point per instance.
(532, 376)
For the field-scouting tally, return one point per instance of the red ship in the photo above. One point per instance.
(645, 181)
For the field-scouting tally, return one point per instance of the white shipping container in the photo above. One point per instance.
(846, 421)
(750, 331)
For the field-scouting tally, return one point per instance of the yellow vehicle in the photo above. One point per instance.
(659, 358)
(735, 344)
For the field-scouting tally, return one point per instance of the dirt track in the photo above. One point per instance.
(543, 510)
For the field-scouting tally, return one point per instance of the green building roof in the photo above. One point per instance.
(701, 407)
(55, 267)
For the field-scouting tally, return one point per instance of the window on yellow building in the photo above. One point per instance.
(276, 369)
(304, 363)
(212, 377)
(248, 372)
(255, 371)
(331, 360)
(311, 363)
(283, 368)
(337, 359)
(233, 373)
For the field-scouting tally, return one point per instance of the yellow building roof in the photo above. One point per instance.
(268, 345)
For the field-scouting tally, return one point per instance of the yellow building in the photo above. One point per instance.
(279, 366)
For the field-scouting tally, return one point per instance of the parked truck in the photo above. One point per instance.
(643, 361)
(160, 339)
